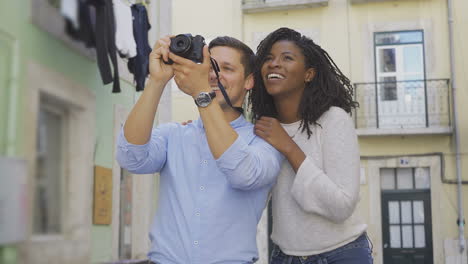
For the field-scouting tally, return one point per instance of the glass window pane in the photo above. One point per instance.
(395, 238)
(422, 178)
(412, 59)
(419, 236)
(407, 236)
(418, 212)
(387, 60)
(398, 37)
(394, 212)
(414, 36)
(388, 89)
(47, 205)
(404, 178)
(387, 179)
(406, 212)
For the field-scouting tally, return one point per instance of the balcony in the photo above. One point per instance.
(403, 108)
(257, 6)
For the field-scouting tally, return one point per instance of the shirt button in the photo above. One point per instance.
(197, 214)
(195, 242)
(205, 161)
(202, 188)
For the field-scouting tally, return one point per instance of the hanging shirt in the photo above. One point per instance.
(139, 65)
(124, 40)
(87, 20)
(105, 42)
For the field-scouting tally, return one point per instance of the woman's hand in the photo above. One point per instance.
(271, 131)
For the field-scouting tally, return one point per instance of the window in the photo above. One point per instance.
(405, 178)
(399, 57)
(59, 142)
(49, 180)
(400, 78)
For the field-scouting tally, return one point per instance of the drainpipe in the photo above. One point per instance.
(461, 220)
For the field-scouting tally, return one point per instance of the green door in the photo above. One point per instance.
(406, 216)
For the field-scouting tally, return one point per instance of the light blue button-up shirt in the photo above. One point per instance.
(208, 209)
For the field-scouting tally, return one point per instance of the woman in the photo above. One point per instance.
(301, 104)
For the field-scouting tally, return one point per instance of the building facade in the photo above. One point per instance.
(410, 81)
(58, 125)
(56, 118)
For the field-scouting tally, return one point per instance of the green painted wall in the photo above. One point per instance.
(32, 44)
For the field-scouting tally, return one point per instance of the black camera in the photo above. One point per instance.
(187, 46)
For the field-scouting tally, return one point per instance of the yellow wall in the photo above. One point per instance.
(346, 30)
(209, 18)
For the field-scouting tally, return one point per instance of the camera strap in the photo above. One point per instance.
(216, 69)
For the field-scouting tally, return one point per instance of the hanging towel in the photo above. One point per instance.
(124, 40)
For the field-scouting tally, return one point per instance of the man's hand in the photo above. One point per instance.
(159, 71)
(186, 123)
(192, 78)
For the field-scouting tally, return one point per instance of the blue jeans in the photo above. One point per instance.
(356, 252)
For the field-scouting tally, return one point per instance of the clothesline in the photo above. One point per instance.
(111, 27)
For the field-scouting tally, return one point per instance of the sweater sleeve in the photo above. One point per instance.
(334, 191)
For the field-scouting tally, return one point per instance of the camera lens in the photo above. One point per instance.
(180, 44)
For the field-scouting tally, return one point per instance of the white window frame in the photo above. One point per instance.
(62, 111)
(72, 245)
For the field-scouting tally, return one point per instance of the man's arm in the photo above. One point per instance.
(139, 149)
(140, 120)
(250, 165)
(192, 79)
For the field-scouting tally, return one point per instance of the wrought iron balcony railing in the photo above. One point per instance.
(419, 106)
(255, 6)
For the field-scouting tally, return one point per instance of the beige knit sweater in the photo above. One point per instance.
(314, 210)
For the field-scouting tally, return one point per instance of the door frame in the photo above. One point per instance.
(374, 164)
(143, 202)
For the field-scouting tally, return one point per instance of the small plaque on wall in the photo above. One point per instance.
(102, 211)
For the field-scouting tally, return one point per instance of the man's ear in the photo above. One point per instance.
(310, 74)
(249, 82)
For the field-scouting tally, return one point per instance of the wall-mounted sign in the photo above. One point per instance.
(102, 212)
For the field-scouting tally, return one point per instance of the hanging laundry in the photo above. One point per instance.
(139, 65)
(87, 22)
(69, 9)
(124, 40)
(105, 42)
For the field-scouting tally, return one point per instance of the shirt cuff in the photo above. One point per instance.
(135, 152)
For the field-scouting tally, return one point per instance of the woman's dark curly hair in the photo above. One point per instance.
(329, 87)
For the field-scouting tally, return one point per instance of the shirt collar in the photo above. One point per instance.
(238, 122)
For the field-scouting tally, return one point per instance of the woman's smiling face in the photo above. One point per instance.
(284, 71)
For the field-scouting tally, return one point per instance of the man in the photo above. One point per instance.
(215, 172)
